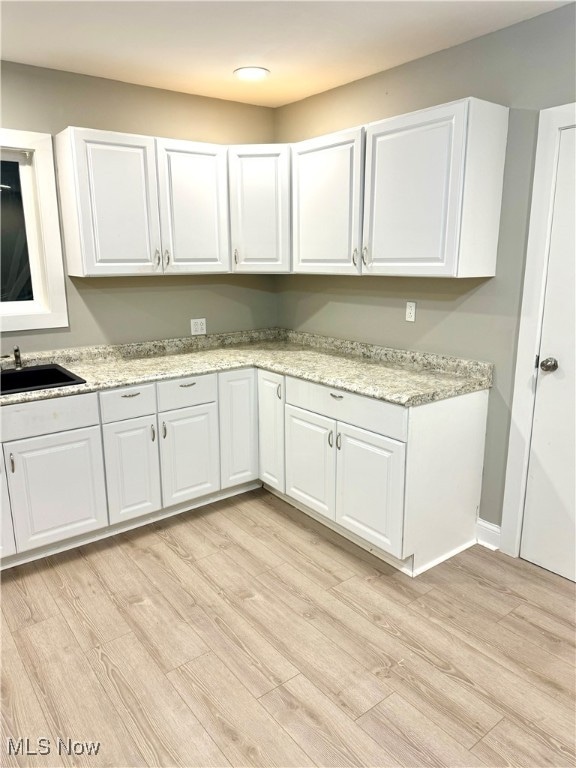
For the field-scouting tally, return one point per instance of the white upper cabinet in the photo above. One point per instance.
(433, 190)
(135, 205)
(260, 207)
(327, 198)
(193, 193)
(109, 197)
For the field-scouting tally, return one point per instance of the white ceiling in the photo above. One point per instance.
(193, 47)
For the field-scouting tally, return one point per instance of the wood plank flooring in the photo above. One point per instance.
(246, 634)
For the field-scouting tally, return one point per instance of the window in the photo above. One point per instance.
(32, 294)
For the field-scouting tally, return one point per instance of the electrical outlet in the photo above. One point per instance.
(198, 326)
(411, 311)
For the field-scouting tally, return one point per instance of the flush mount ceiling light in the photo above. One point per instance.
(251, 73)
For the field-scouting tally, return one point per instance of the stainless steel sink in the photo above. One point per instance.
(36, 377)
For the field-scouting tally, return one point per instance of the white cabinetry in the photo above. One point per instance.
(7, 543)
(260, 207)
(131, 452)
(135, 205)
(271, 399)
(189, 444)
(327, 198)
(433, 190)
(238, 405)
(193, 193)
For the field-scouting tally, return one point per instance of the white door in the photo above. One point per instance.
(260, 207)
(56, 486)
(132, 468)
(271, 399)
(327, 190)
(413, 192)
(238, 406)
(370, 487)
(118, 202)
(549, 528)
(189, 454)
(193, 192)
(311, 460)
(7, 543)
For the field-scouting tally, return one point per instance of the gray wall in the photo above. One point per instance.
(112, 311)
(528, 67)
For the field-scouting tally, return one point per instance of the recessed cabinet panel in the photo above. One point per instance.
(260, 207)
(311, 460)
(132, 468)
(56, 486)
(238, 426)
(7, 543)
(189, 453)
(370, 487)
(327, 178)
(108, 181)
(193, 206)
(271, 399)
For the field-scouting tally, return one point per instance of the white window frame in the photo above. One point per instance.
(48, 309)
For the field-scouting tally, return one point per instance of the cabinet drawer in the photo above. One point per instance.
(193, 390)
(128, 403)
(374, 415)
(40, 417)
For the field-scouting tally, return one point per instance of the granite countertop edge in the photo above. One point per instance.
(403, 377)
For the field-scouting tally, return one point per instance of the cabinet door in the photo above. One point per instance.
(327, 188)
(260, 207)
(117, 199)
(311, 460)
(413, 192)
(193, 191)
(189, 454)
(271, 399)
(132, 468)
(237, 401)
(7, 544)
(56, 486)
(370, 487)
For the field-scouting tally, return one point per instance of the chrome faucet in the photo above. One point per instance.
(17, 359)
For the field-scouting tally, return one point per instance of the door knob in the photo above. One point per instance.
(550, 364)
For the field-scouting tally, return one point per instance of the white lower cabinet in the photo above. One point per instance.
(311, 460)
(132, 468)
(189, 453)
(271, 399)
(7, 543)
(57, 488)
(238, 406)
(370, 486)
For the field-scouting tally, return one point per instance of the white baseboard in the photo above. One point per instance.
(488, 534)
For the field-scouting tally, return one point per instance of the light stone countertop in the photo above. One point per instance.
(402, 377)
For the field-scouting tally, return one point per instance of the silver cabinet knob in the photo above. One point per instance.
(550, 364)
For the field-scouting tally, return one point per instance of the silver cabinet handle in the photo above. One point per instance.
(364, 255)
(12, 464)
(355, 257)
(164, 431)
(235, 256)
(331, 438)
(167, 257)
(336, 397)
(339, 441)
(132, 394)
(158, 257)
(550, 364)
(185, 386)
(279, 391)
(153, 432)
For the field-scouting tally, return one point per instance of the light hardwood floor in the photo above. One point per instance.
(247, 634)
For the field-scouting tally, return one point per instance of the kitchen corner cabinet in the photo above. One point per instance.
(7, 543)
(238, 406)
(433, 191)
(135, 205)
(327, 177)
(260, 207)
(271, 400)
